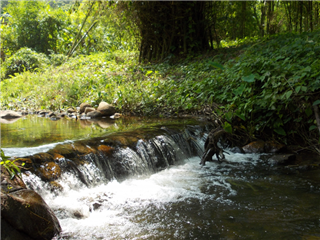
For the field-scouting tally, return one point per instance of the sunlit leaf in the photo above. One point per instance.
(227, 127)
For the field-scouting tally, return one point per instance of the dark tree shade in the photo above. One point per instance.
(171, 27)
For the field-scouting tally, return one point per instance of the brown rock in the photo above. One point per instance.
(24, 214)
(95, 114)
(10, 233)
(274, 147)
(71, 110)
(83, 106)
(49, 171)
(51, 114)
(65, 150)
(27, 214)
(106, 109)
(89, 109)
(58, 157)
(282, 159)
(56, 186)
(106, 149)
(42, 157)
(82, 149)
(254, 147)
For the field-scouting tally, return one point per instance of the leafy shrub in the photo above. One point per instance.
(35, 25)
(24, 60)
(57, 59)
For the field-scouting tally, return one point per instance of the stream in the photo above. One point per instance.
(161, 191)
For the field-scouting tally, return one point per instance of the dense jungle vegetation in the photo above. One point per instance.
(253, 65)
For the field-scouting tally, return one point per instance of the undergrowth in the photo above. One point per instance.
(265, 88)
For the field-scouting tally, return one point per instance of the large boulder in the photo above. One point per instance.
(106, 109)
(24, 214)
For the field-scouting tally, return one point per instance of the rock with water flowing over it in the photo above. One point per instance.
(24, 214)
(9, 114)
(49, 171)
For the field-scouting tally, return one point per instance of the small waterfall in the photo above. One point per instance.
(119, 156)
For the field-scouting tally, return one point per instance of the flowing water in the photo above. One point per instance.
(162, 192)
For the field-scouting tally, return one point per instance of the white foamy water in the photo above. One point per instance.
(128, 209)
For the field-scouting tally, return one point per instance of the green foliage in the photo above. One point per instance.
(11, 167)
(24, 60)
(272, 85)
(35, 25)
(264, 87)
(57, 59)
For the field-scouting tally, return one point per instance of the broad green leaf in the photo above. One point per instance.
(228, 116)
(227, 127)
(308, 111)
(298, 89)
(280, 131)
(312, 127)
(217, 65)
(242, 116)
(250, 78)
(239, 90)
(317, 102)
(288, 94)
